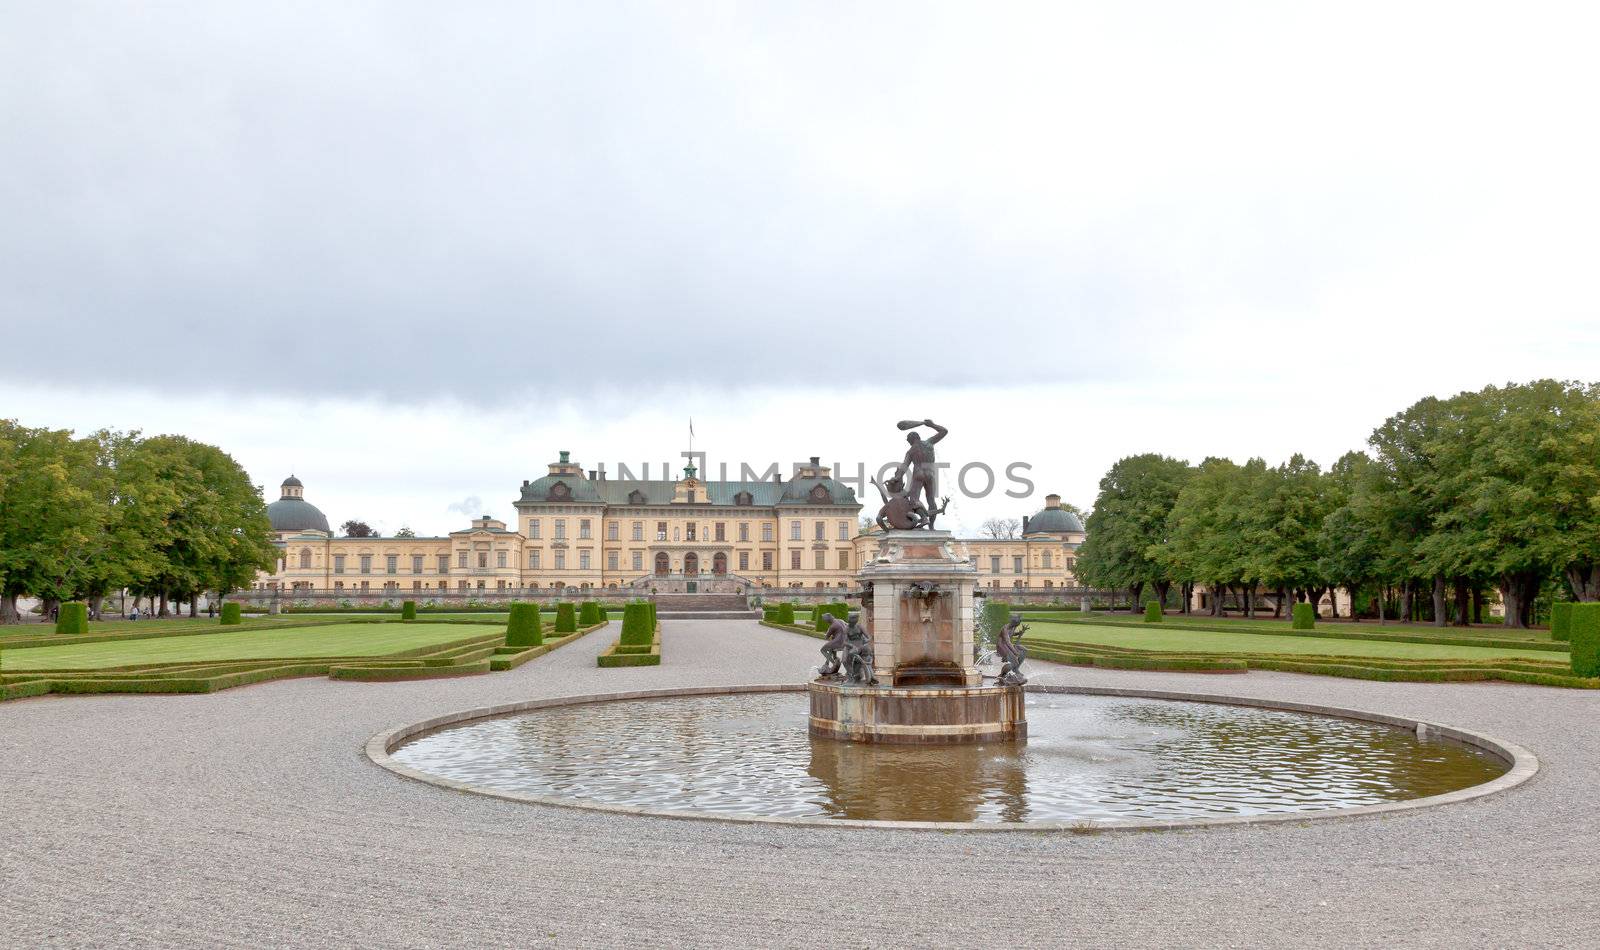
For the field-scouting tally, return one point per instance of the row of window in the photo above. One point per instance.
(1017, 563)
(692, 531)
(613, 561)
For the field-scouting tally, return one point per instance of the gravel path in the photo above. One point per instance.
(251, 818)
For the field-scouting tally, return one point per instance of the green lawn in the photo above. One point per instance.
(1203, 641)
(1324, 625)
(353, 639)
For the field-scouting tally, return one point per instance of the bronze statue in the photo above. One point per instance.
(1009, 647)
(923, 481)
(902, 512)
(838, 630)
(858, 655)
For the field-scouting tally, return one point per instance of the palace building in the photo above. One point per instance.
(576, 529)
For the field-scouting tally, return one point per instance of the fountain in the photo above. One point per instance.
(909, 675)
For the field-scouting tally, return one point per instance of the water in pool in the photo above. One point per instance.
(1087, 759)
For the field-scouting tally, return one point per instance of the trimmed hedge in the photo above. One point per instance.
(408, 610)
(786, 613)
(230, 615)
(589, 613)
(1341, 631)
(1172, 664)
(1305, 617)
(1584, 627)
(769, 614)
(522, 627)
(839, 611)
(1561, 621)
(72, 617)
(566, 618)
(1152, 612)
(995, 615)
(638, 624)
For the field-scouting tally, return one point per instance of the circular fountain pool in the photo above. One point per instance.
(1089, 761)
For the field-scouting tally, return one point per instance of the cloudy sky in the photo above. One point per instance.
(409, 251)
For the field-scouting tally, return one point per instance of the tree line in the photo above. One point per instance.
(1458, 498)
(163, 517)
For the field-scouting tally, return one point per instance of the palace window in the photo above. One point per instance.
(1016, 565)
(721, 534)
(611, 531)
(461, 585)
(1045, 559)
(366, 564)
(766, 560)
(638, 531)
(561, 529)
(821, 560)
(638, 561)
(416, 564)
(744, 531)
(583, 528)
(365, 585)
(661, 531)
(583, 560)
(305, 559)
(391, 564)
(499, 559)
(844, 531)
(844, 560)
(444, 585)
(794, 531)
(821, 531)
(690, 529)
(611, 560)
(533, 560)
(766, 531)
(561, 560)
(794, 559)
(461, 560)
(483, 560)
(744, 560)
(416, 585)
(994, 564)
(444, 564)
(533, 527)
(338, 585)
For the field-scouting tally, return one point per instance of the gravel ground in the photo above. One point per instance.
(251, 818)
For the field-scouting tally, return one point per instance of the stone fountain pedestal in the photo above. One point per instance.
(920, 616)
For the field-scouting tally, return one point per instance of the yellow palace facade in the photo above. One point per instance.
(575, 530)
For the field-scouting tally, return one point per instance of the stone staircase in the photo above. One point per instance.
(704, 607)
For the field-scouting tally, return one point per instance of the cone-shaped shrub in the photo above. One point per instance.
(230, 615)
(408, 610)
(1152, 612)
(566, 618)
(1584, 627)
(786, 613)
(996, 614)
(72, 617)
(589, 614)
(1305, 617)
(638, 628)
(522, 628)
(1561, 621)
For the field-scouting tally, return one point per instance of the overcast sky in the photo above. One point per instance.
(409, 251)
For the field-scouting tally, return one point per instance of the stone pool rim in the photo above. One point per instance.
(1522, 765)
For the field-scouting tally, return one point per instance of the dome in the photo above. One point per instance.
(1054, 519)
(293, 513)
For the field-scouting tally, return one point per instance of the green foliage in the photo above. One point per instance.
(72, 617)
(1585, 630)
(1152, 612)
(1561, 620)
(1129, 522)
(769, 614)
(408, 610)
(566, 618)
(523, 628)
(638, 623)
(230, 615)
(994, 615)
(839, 611)
(589, 614)
(786, 613)
(1305, 617)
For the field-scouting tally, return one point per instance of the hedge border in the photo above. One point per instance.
(1320, 634)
